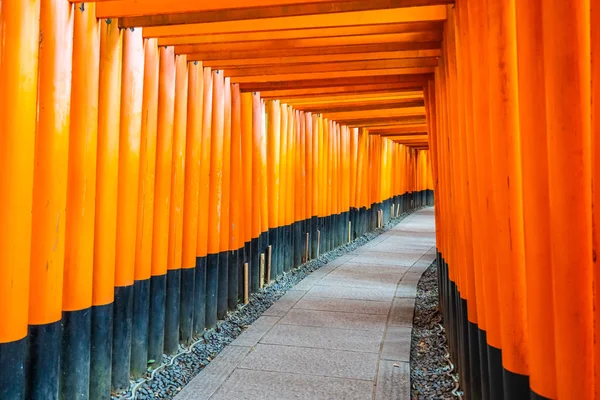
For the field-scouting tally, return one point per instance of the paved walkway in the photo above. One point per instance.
(341, 333)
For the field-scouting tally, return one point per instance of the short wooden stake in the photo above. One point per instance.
(246, 283)
(269, 263)
(262, 270)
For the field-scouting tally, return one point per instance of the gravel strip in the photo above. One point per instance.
(168, 381)
(429, 368)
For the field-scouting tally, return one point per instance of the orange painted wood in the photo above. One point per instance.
(370, 17)
(216, 163)
(282, 45)
(321, 81)
(290, 34)
(333, 75)
(205, 163)
(132, 84)
(50, 170)
(164, 161)
(148, 140)
(193, 161)
(226, 174)
(83, 136)
(237, 14)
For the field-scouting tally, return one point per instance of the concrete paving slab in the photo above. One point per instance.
(252, 385)
(333, 319)
(324, 338)
(303, 360)
(393, 381)
(285, 303)
(396, 344)
(351, 293)
(310, 302)
(256, 331)
(402, 312)
(212, 377)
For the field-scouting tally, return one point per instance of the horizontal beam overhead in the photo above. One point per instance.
(386, 121)
(139, 17)
(354, 98)
(366, 89)
(284, 44)
(336, 66)
(309, 76)
(411, 81)
(395, 112)
(334, 108)
(208, 56)
(288, 34)
(356, 18)
(315, 59)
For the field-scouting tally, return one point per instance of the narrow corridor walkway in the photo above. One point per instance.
(342, 333)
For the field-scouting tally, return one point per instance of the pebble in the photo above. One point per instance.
(169, 381)
(429, 367)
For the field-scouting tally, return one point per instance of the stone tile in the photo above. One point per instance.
(210, 378)
(396, 344)
(247, 384)
(324, 338)
(340, 320)
(351, 293)
(406, 290)
(310, 302)
(302, 360)
(307, 283)
(285, 303)
(402, 312)
(256, 331)
(369, 282)
(393, 381)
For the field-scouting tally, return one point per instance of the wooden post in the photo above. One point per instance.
(245, 283)
(262, 270)
(270, 257)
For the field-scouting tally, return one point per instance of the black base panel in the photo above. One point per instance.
(495, 371)
(212, 280)
(172, 307)
(43, 362)
(313, 236)
(232, 279)
(466, 350)
(483, 367)
(516, 386)
(253, 267)
(223, 284)
(289, 249)
(535, 396)
(245, 259)
(122, 325)
(186, 301)
(12, 369)
(101, 352)
(139, 327)
(474, 361)
(156, 324)
(199, 296)
(75, 354)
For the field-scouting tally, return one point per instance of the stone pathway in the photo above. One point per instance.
(343, 332)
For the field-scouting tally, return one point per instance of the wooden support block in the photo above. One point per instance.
(262, 270)
(245, 283)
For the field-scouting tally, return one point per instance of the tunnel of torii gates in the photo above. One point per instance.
(160, 160)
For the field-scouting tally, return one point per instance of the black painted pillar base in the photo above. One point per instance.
(139, 331)
(43, 362)
(212, 280)
(313, 236)
(156, 324)
(199, 297)
(474, 361)
(172, 307)
(75, 354)
(186, 301)
(12, 369)
(516, 386)
(223, 285)
(122, 324)
(232, 278)
(495, 373)
(255, 249)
